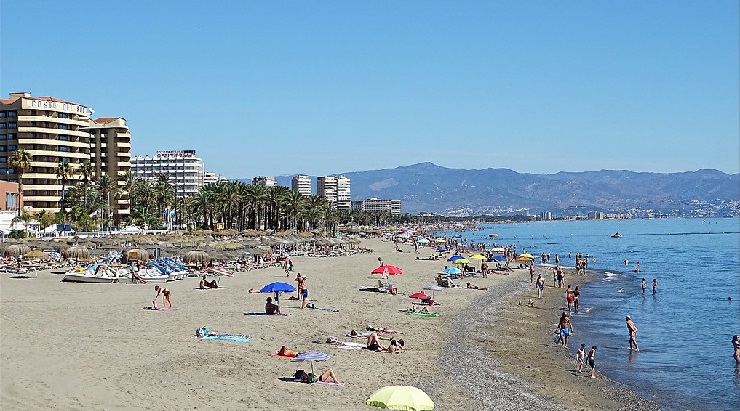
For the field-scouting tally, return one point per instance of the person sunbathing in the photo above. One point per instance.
(204, 284)
(271, 308)
(373, 343)
(355, 333)
(328, 376)
(286, 352)
(380, 329)
(475, 287)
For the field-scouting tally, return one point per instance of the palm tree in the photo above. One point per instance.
(21, 161)
(87, 173)
(255, 196)
(295, 206)
(107, 189)
(64, 173)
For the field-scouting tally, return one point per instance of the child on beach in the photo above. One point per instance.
(592, 360)
(581, 357)
(166, 297)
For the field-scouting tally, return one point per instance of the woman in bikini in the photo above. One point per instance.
(328, 376)
(166, 296)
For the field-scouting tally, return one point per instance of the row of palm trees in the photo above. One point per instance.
(88, 203)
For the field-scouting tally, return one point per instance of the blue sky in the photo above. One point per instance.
(323, 87)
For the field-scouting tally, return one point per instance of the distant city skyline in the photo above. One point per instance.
(327, 88)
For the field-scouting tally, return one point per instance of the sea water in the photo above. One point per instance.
(684, 331)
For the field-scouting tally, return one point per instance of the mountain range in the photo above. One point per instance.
(427, 187)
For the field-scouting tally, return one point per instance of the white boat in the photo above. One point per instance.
(150, 275)
(94, 274)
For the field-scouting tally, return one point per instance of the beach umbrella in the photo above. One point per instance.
(138, 254)
(433, 288)
(277, 287)
(498, 258)
(455, 257)
(388, 269)
(478, 257)
(78, 252)
(461, 261)
(17, 249)
(526, 255)
(422, 240)
(197, 256)
(441, 240)
(441, 249)
(524, 258)
(419, 296)
(452, 271)
(498, 249)
(36, 253)
(311, 357)
(396, 397)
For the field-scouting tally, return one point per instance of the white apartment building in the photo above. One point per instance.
(301, 184)
(184, 169)
(376, 205)
(212, 178)
(336, 189)
(264, 181)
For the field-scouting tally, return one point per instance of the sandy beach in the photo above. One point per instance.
(93, 346)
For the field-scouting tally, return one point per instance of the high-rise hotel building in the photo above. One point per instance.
(301, 184)
(264, 181)
(183, 168)
(336, 189)
(53, 130)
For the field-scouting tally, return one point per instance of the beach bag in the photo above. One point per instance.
(300, 375)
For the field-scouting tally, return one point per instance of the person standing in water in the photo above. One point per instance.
(655, 285)
(632, 328)
(644, 285)
(591, 357)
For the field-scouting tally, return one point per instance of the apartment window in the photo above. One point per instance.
(64, 149)
(3, 136)
(11, 136)
(12, 125)
(12, 114)
(11, 201)
(63, 126)
(63, 137)
(2, 114)
(12, 147)
(64, 115)
(2, 148)
(3, 126)
(4, 160)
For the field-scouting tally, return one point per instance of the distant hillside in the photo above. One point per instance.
(426, 187)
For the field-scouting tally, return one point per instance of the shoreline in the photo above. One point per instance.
(520, 365)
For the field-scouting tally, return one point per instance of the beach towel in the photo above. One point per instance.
(268, 315)
(149, 308)
(423, 314)
(226, 337)
(275, 354)
(350, 346)
(338, 384)
(209, 288)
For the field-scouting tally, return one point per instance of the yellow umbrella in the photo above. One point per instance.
(461, 261)
(401, 398)
(478, 257)
(526, 255)
(441, 240)
(523, 258)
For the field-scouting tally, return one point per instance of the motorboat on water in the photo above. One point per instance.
(617, 235)
(96, 273)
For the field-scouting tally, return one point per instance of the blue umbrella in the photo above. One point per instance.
(498, 258)
(441, 249)
(455, 257)
(278, 287)
(452, 270)
(311, 356)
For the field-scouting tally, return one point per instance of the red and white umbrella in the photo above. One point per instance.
(388, 270)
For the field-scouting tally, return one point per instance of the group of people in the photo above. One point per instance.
(644, 285)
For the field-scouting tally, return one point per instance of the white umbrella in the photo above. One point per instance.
(311, 356)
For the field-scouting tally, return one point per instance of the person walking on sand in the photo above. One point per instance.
(531, 273)
(581, 357)
(632, 328)
(566, 328)
(591, 358)
(301, 284)
(655, 285)
(540, 285)
(644, 285)
(576, 298)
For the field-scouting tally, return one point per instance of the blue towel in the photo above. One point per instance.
(227, 337)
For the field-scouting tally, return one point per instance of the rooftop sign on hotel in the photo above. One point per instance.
(55, 105)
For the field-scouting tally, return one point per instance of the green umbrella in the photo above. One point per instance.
(461, 261)
(396, 397)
